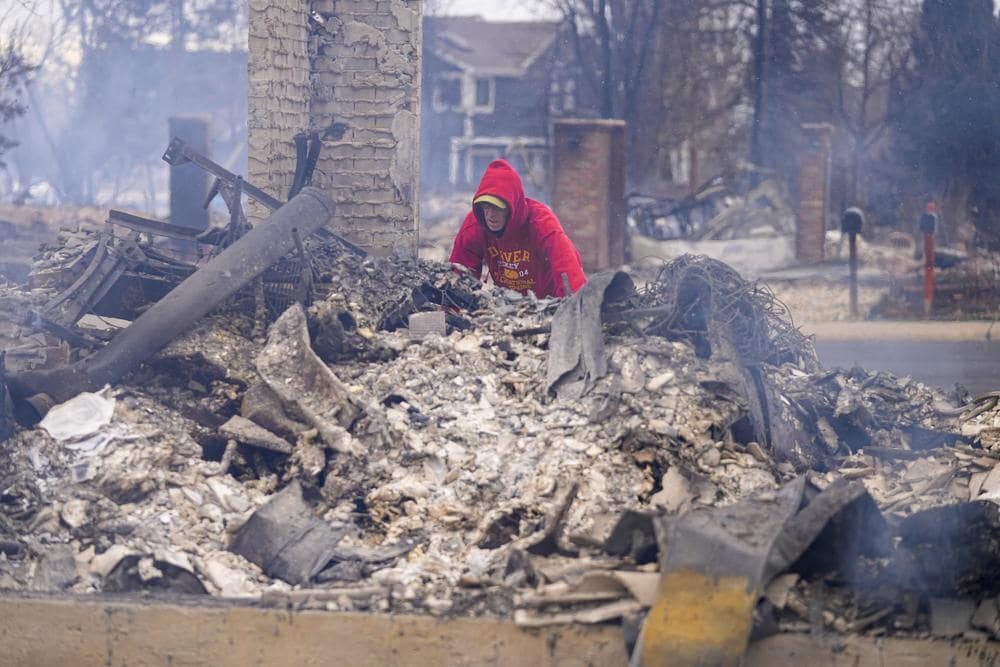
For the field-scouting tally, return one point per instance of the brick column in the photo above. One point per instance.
(355, 62)
(278, 99)
(814, 191)
(588, 192)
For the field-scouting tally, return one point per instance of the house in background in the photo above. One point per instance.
(489, 90)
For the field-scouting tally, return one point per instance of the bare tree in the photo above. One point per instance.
(15, 74)
(109, 113)
(875, 36)
(695, 86)
(612, 42)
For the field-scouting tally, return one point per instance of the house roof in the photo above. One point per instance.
(496, 48)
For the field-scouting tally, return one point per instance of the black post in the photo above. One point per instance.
(851, 224)
(188, 183)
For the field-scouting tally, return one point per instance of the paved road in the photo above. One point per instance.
(974, 364)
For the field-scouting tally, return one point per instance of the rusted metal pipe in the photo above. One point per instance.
(201, 292)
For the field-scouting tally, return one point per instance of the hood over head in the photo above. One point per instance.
(502, 181)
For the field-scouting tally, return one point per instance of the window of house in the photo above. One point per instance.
(680, 163)
(554, 97)
(569, 95)
(530, 163)
(562, 96)
(447, 94)
(484, 93)
(476, 161)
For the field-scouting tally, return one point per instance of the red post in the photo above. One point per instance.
(928, 272)
(928, 224)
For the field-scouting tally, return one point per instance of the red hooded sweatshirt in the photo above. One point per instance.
(530, 253)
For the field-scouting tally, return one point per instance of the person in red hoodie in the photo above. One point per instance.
(519, 238)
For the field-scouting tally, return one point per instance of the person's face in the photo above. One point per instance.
(495, 217)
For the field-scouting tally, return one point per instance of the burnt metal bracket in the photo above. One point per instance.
(150, 226)
(307, 148)
(178, 152)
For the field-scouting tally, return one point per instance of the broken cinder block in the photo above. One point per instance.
(427, 323)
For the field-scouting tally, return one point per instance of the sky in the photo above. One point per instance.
(516, 10)
(496, 10)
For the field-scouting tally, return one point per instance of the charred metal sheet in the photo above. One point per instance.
(716, 562)
(225, 274)
(149, 226)
(576, 348)
(285, 539)
(836, 527)
(713, 562)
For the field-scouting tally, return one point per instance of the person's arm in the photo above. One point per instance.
(467, 249)
(563, 257)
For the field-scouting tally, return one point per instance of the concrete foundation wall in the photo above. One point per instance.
(355, 62)
(102, 631)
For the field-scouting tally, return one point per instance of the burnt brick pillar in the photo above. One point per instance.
(189, 182)
(814, 191)
(350, 70)
(588, 189)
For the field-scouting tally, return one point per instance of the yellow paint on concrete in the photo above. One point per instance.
(698, 620)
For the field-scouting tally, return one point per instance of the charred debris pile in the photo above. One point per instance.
(550, 460)
(965, 288)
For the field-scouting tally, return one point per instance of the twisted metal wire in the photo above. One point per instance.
(756, 322)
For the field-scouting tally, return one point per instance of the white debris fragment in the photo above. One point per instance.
(79, 417)
(229, 582)
(675, 492)
(74, 512)
(103, 563)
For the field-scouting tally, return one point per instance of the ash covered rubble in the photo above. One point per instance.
(531, 462)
